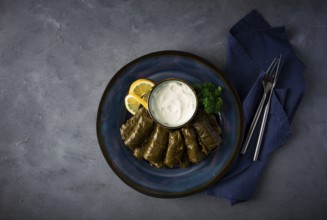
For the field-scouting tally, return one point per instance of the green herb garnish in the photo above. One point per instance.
(209, 97)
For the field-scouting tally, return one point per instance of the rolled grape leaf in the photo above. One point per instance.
(138, 152)
(141, 130)
(156, 146)
(192, 147)
(158, 165)
(209, 137)
(185, 162)
(175, 149)
(126, 128)
(213, 121)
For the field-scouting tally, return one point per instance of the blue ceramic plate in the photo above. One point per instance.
(139, 174)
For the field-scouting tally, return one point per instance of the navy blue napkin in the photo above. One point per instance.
(252, 45)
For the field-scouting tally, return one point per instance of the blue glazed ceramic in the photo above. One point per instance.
(139, 174)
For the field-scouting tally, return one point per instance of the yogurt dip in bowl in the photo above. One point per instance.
(172, 103)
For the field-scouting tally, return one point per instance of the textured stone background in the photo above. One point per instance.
(56, 57)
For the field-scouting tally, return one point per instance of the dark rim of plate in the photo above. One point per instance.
(155, 193)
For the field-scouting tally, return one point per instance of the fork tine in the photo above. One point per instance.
(272, 71)
(278, 68)
(275, 72)
(271, 66)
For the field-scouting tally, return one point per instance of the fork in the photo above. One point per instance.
(267, 84)
(265, 114)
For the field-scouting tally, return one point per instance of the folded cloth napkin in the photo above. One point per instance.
(252, 45)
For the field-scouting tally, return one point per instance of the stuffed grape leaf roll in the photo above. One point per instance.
(142, 127)
(126, 128)
(175, 149)
(192, 147)
(138, 152)
(185, 162)
(213, 121)
(209, 137)
(156, 146)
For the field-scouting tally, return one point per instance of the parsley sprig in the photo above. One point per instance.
(209, 97)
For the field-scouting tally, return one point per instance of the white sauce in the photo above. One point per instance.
(172, 103)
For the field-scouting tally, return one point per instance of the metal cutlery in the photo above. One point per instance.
(267, 84)
(265, 114)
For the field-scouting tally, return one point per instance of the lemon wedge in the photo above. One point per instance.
(141, 88)
(132, 103)
(138, 94)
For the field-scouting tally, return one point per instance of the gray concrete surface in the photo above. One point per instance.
(56, 57)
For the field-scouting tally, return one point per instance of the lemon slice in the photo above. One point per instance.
(132, 103)
(141, 88)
